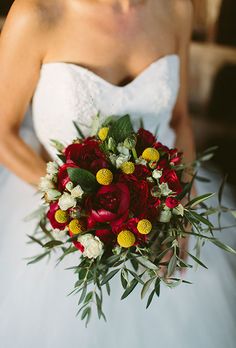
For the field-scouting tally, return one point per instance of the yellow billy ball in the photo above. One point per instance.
(144, 226)
(76, 226)
(151, 154)
(126, 239)
(61, 216)
(104, 176)
(128, 167)
(103, 132)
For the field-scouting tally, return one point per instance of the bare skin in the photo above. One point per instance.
(116, 39)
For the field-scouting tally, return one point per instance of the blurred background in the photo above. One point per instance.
(212, 94)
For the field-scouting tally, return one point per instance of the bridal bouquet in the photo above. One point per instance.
(118, 201)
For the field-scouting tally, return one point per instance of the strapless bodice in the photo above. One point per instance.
(68, 92)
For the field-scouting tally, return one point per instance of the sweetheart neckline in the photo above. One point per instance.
(133, 81)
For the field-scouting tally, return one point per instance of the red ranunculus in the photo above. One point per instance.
(175, 156)
(110, 204)
(170, 177)
(63, 177)
(86, 155)
(144, 139)
(160, 147)
(51, 217)
(172, 202)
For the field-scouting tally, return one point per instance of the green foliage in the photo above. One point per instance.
(84, 178)
(121, 129)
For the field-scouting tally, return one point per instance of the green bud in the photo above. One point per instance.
(130, 142)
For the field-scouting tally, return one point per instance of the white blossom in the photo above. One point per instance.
(165, 215)
(69, 186)
(66, 201)
(117, 161)
(179, 210)
(164, 188)
(52, 168)
(122, 149)
(93, 247)
(46, 183)
(156, 174)
(77, 192)
(141, 160)
(53, 194)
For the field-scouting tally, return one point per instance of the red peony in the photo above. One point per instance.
(110, 204)
(106, 236)
(63, 177)
(171, 202)
(86, 155)
(142, 172)
(51, 217)
(144, 139)
(139, 192)
(170, 177)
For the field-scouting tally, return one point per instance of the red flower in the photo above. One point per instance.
(77, 244)
(51, 217)
(170, 177)
(63, 177)
(160, 147)
(139, 192)
(110, 204)
(171, 202)
(152, 208)
(175, 156)
(86, 155)
(105, 235)
(141, 172)
(144, 139)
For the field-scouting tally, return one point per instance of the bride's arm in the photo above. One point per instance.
(21, 51)
(181, 122)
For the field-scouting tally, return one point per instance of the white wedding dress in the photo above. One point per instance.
(34, 309)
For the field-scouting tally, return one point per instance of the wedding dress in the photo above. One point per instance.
(34, 309)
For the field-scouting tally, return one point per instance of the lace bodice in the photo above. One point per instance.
(68, 92)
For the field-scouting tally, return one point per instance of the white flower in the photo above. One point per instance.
(122, 149)
(165, 215)
(53, 194)
(77, 192)
(119, 160)
(179, 210)
(52, 168)
(140, 160)
(93, 247)
(66, 201)
(46, 183)
(164, 188)
(156, 174)
(69, 186)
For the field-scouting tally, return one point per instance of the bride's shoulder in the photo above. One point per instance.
(34, 14)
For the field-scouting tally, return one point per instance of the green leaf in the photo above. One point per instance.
(109, 276)
(221, 189)
(108, 288)
(84, 178)
(146, 263)
(223, 246)
(124, 278)
(83, 294)
(146, 287)
(202, 179)
(233, 212)
(121, 129)
(86, 313)
(35, 240)
(158, 286)
(52, 244)
(200, 199)
(200, 218)
(39, 258)
(172, 265)
(80, 133)
(136, 276)
(88, 297)
(150, 298)
(197, 260)
(129, 289)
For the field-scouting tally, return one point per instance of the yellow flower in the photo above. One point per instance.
(144, 226)
(151, 154)
(76, 226)
(128, 167)
(61, 216)
(103, 132)
(104, 176)
(126, 239)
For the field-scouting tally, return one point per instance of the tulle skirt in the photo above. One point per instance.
(35, 310)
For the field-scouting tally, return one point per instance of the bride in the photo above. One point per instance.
(64, 61)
